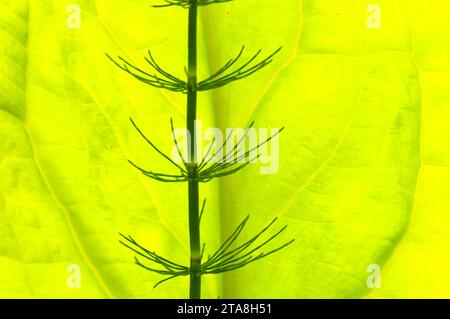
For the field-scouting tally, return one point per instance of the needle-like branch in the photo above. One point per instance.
(176, 144)
(202, 209)
(220, 79)
(167, 178)
(164, 81)
(155, 148)
(160, 265)
(227, 259)
(162, 177)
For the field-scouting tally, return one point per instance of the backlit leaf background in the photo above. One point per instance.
(364, 160)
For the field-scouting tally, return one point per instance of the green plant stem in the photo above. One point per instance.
(194, 216)
(194, 232)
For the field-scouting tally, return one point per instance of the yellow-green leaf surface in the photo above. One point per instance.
(364, 160)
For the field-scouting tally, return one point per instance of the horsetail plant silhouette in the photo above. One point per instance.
(229, 256)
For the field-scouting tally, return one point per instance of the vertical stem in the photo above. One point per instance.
(194, 231)
(194, 218)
